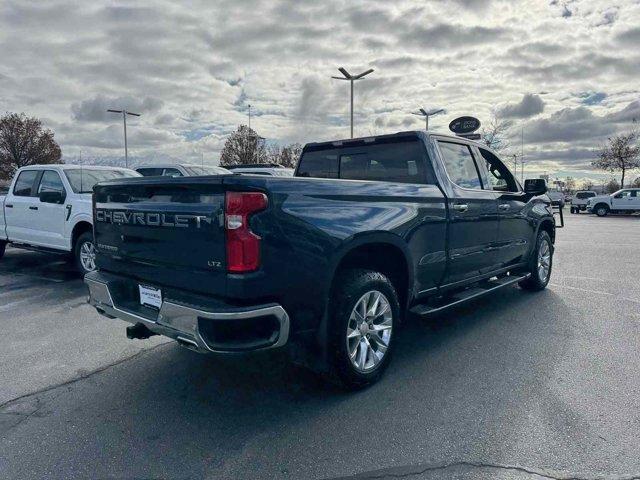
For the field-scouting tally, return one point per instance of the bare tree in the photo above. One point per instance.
(587, 185)
(612, 186)
(619, 154)
(287, 156)
(636, 183)
(242, 147)
(24, 142)
(494, 133)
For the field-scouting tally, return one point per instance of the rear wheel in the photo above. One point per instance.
(85, 253)
(601, 210)
(3, 246)
(363, 315)
(540, 264)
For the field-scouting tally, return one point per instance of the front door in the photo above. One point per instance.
(623, 200)
(50, 217)
(515, 231)
(473, 210)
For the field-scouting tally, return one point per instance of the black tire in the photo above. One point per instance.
(84, 239)
(351, 288)
(601, 210)
(573, 210)
(536, 282)
(3, 246)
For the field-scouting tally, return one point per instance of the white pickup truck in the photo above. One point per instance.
(48, 208)
(626, 200)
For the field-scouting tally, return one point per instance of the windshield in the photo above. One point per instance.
(82, 180)
(206, 170)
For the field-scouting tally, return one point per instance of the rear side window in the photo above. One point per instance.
(50, 182)
(460, 165)
(583, 195)
(171, 172)
(403, 161)
(24, 183)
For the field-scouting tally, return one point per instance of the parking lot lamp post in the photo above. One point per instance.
(423, 113)
(351, 79)
(124, 122)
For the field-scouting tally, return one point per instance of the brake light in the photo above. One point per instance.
(243, 246)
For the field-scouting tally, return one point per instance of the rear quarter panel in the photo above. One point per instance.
(312, 223)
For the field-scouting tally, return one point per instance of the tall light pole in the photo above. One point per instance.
(351, 79)
(423, 113)
(249, 115)
(124, 122)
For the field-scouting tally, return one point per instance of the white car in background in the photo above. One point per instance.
(179, 170)
(580, 199)
(269, 169)
(48, 208)
(626, 200)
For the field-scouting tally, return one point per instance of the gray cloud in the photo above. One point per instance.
(530, 105)
(95, 109)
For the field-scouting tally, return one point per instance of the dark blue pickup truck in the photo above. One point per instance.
(325, 264)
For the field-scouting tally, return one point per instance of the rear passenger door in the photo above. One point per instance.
(515, 232)
(473, 210)
(20, 208)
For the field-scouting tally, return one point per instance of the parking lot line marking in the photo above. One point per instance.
(582, 289)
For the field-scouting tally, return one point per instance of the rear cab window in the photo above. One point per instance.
(396, 159)
(25, 183)
(460, 165)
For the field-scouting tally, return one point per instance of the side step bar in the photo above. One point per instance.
(463, 296)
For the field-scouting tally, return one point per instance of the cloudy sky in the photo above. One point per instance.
(565, 73)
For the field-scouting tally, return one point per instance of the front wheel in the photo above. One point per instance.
(363, 315)
(602, 210)
(85, 253)
(540, 264)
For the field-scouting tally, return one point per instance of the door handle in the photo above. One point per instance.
(33, 208)
(9, 205)
(504, 206)
(461, 207)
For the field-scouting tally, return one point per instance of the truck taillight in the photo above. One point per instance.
(243, 246)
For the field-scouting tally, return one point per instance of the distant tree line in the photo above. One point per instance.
(245, 146)
(24, 142)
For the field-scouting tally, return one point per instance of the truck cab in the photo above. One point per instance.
(48, 208)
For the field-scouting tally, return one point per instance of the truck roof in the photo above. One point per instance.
(375, 138)
(66, 166)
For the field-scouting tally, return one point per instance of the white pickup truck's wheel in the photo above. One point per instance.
(363, 315)
(85, 253)
(3, 245)
(602, 210)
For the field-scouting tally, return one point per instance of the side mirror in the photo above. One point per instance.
(52, 197)
(535, 186)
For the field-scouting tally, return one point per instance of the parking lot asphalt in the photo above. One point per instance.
(516, 385)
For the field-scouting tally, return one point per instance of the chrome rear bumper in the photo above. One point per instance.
(186, 324)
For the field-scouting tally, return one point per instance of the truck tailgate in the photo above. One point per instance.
(163, 232)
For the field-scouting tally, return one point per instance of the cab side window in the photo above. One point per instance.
(460, 165)
(171, 172)
(24, 183)
(50, 182)
(500, 178)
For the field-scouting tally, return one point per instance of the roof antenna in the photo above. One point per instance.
(81, 175)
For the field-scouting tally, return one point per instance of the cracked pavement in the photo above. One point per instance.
(515, 386)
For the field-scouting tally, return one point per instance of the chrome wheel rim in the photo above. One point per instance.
(369, 331)
(544, 260)
(88, 256)
(602, 211)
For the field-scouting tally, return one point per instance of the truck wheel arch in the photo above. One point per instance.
(386, 253)
(548, 225)
(78, 229)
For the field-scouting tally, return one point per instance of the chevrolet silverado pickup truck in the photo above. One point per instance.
(325, 264)
(48, 208)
